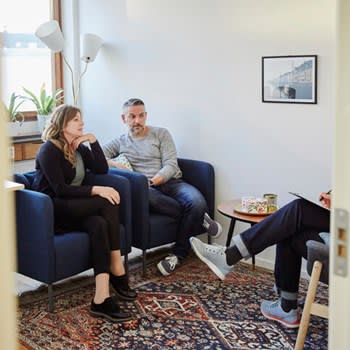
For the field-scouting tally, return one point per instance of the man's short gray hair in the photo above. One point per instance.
(132, 102)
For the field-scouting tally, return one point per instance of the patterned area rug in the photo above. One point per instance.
(189, 309)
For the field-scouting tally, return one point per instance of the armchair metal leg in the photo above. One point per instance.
(209, 239)
(144, 263)
(51, 299)
(126, 264)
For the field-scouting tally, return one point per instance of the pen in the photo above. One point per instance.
(322, 198)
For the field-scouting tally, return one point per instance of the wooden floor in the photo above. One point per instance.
(21, 347)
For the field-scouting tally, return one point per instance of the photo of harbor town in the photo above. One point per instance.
(290, 79)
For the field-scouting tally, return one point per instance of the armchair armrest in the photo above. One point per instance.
(139, 204)
(35, 235)
(200, 175)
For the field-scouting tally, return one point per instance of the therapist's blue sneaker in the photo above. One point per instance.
(273, 311)
(212, 255)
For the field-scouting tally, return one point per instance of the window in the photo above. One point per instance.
(26, 61)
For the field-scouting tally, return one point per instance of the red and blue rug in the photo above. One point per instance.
(189, 309)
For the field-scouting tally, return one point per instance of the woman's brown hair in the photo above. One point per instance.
(54, 130)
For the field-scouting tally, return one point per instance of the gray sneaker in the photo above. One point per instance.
(168, 265)
(212, 227)
(273, 311)
(212, 255)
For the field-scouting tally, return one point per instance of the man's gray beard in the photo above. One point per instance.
(137, 133)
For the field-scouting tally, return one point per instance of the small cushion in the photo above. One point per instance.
(325, 237)
(121, 159)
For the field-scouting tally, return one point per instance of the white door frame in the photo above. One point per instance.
(339, 290)
(8, 336)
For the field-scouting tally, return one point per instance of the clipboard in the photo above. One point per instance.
(308, 199)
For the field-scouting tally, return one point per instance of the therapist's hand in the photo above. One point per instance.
(326, 199)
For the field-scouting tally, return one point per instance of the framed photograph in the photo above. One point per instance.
(289, 79)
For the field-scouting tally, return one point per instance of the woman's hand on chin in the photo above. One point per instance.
(81, 139)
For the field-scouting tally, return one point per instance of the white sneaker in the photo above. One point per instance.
(213, 256)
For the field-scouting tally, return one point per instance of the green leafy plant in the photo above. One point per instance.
(12, 109)
(44, 103)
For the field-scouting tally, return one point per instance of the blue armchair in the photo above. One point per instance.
(47, 257)
(150, 229)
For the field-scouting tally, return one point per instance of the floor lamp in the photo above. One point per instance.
(51, 35)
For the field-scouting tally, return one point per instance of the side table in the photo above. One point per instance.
(227, 208)
(12, 186)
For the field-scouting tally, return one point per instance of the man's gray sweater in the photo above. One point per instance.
(154, 154)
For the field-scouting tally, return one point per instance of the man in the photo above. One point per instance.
(290, 228)
(151, 151)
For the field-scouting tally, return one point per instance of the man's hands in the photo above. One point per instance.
(156, 180)
(108, 193)
(326, 199)
(81, 139)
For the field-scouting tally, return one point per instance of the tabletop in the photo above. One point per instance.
(13, 186)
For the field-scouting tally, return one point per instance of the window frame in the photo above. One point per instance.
(56, 64)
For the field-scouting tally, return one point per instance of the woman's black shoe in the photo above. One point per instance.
(121, 287)
(109, 310)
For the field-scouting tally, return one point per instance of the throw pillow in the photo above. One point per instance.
(121, 159)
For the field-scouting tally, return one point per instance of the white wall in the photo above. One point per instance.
(197, 65)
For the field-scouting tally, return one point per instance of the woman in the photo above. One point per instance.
(60, 169)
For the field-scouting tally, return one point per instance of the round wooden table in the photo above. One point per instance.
(227, 208)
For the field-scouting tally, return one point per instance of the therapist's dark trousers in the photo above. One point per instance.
(289, 228)
(98, 217)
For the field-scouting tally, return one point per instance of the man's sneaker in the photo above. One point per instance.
(273, 311)
(168, 265)
(212, 227)
(212, 255)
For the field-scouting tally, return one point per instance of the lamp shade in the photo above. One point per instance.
(50, 34)
(89, 46)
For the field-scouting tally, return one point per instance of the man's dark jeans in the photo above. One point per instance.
(186, 204)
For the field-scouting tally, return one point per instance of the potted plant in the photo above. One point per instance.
(44, 103)
(13, 116)
(12, 110)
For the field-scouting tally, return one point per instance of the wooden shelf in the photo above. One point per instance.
(26, 150)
